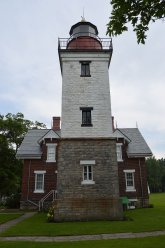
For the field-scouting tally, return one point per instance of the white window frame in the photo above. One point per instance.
(119, 152)
(88, 165)
(132, 201)
(51, 158)
(130, 188)
(39, 172)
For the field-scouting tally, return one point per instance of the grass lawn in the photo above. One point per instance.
(4, 217)
(149, 219)
(150, 242)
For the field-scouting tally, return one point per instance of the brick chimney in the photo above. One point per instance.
(56, 123)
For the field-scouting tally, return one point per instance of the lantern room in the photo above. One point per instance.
(84, 36)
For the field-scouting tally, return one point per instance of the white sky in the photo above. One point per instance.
(30, 77)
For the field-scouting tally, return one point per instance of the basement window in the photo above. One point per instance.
(86, 117)
(85, 68)
(132, 203)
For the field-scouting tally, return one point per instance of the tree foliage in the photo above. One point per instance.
(139, 13)
(13, 128)
(156, 174)
(10, 169)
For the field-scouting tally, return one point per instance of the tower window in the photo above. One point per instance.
(87, 171)
(85, 68)
(86, 117)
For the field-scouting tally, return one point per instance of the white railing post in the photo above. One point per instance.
(41, 202)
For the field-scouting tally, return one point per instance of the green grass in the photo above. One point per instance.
(4, 217)
(150, 242)
(158, 199)
(150, 219)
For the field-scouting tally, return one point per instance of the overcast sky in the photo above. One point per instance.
(30, 77)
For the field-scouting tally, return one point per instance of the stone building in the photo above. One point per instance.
(87, 166)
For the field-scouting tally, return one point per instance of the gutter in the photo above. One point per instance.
(141, 183)
(28, 156)
(139, 155)
(29, 187)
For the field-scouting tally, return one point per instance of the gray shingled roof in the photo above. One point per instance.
(137, 146)
(30, 147)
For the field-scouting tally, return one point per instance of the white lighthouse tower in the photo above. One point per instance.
(87, 179)
(85, 59)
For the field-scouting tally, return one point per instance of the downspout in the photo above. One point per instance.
(29, 186)
(141, 183)
(28, 180)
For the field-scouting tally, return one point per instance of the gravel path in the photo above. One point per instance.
(84, 237)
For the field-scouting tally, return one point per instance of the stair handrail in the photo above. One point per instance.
(41, 202)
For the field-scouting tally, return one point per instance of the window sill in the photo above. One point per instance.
(130, 190)
(38, 191)
(85, 75)
(50, 161)
(88, 182)
(121, 160)
(86, 125)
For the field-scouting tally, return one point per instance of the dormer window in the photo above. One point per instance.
(51, 152)
(119, 152)
(85, 68)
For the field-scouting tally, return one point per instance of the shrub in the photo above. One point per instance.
(13, 201)
(151, 205)
(50, 215)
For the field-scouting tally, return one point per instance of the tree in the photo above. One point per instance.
(13, 128)
(10, 169)
(140, 13)
(156, 174)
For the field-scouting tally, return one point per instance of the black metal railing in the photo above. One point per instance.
(94, 43)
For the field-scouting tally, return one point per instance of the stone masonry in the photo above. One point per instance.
(84, 202)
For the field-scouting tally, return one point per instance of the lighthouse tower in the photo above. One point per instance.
(85, 59)
(87, 179)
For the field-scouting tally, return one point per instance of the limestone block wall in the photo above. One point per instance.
(77, 201)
